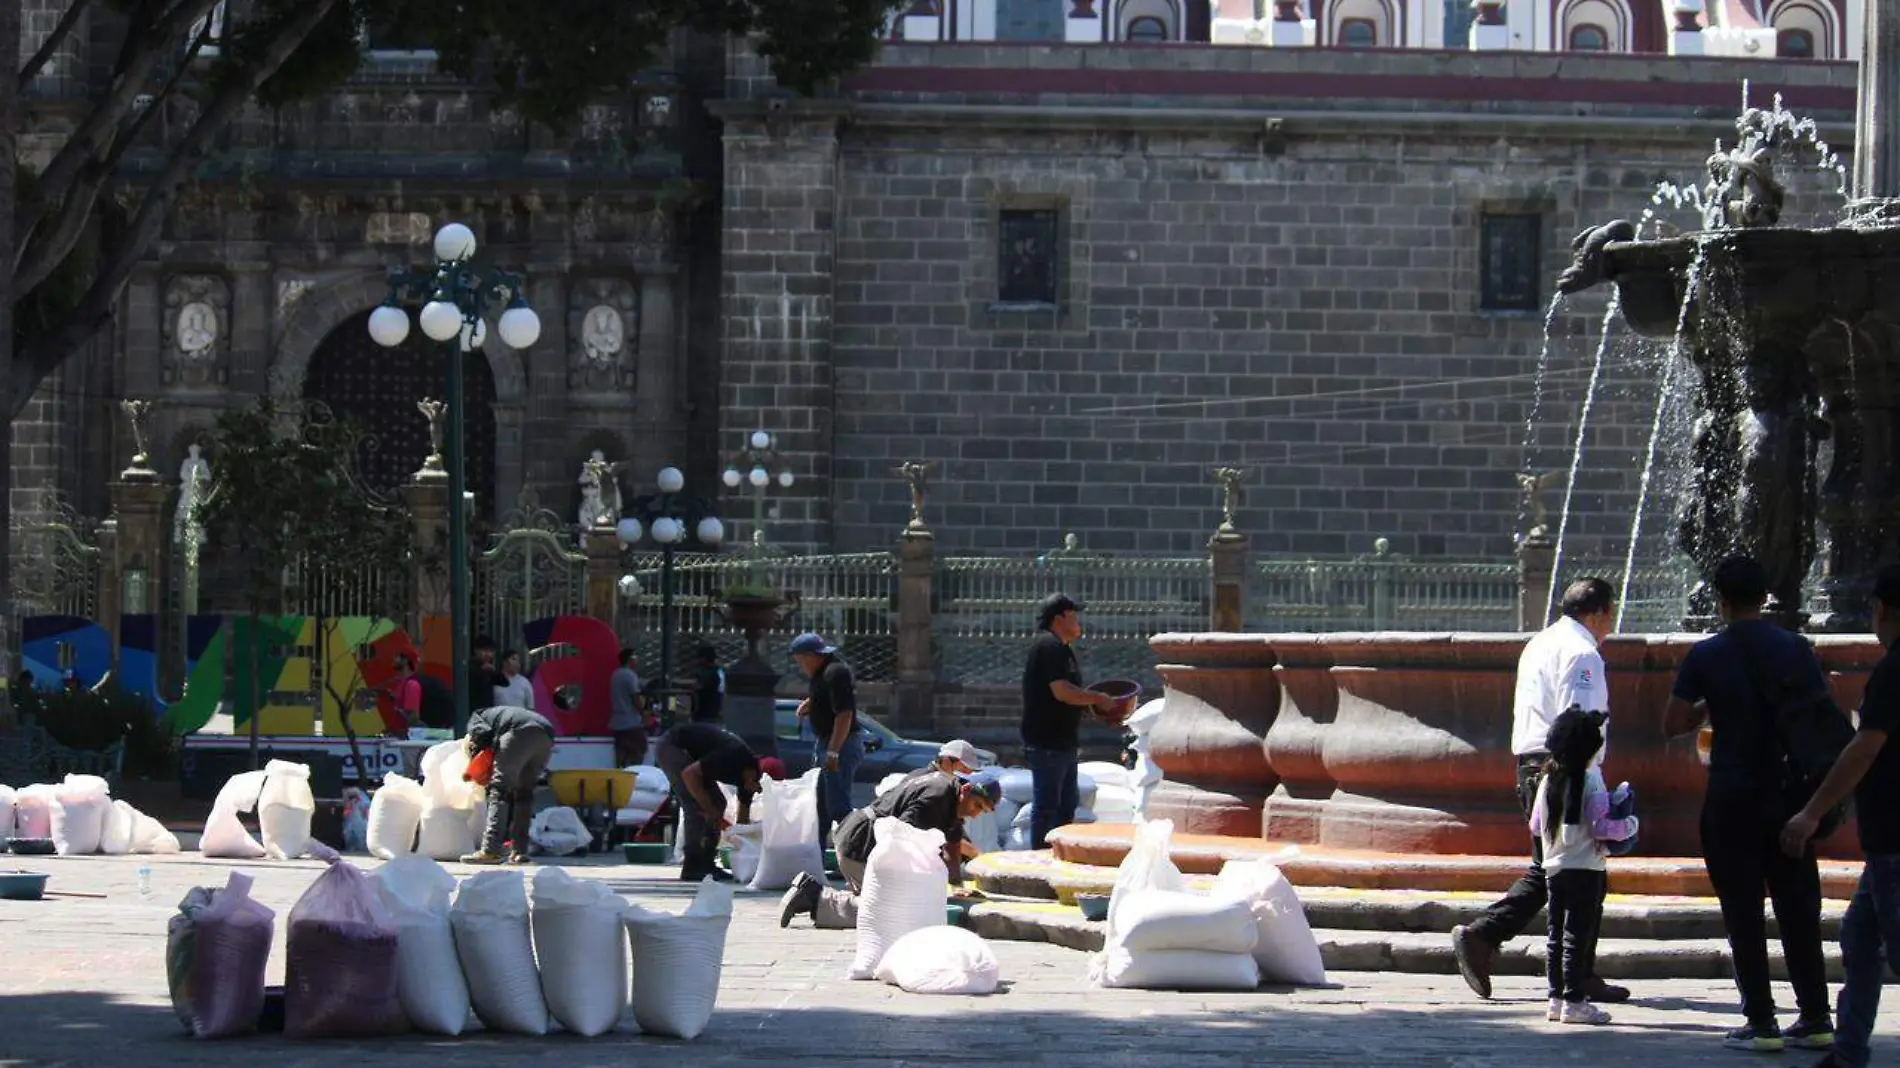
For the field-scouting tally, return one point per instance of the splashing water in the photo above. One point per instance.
(1755, 128)
(1537, 390)
(1576, 455)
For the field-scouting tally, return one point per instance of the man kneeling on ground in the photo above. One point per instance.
(928, 802)
(696, 757)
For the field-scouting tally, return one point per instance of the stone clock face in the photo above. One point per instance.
(603, 334)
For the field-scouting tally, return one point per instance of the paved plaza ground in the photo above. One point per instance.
(82, 982)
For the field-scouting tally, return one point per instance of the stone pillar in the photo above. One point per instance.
(1536, 560)
(916, 652)
(660, 431)
(427, 496)
(603, 574)
(1686, 38)
(1876, 137)
(1288, 30)
(1489, 33)
(1227, 555)
(137, 558)
(1084, 22)
(923, 21)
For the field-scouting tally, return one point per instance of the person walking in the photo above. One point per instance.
(511, 686)
(523, 743)
(832, 711)
(709, 687)
(405, 695)
(696, 757)
(627, 720)
(1560, 668)
(1053, 700)
(1571, 820)
(1869, 769)
(1728, 680)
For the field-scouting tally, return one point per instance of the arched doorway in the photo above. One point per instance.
(377, 389)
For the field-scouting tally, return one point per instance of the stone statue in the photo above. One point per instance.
(194, 478)
(1586, 265)
(1229, 479)
(600, 492)
(1534, 487)
(197, 328)
(433, 410)
(139, 414)
(917, 476)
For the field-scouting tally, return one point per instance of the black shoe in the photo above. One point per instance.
(1811, 1034)
(720, 875)
(1475, 956)
(801, 899)
(1605, 993)
(1763, 1039)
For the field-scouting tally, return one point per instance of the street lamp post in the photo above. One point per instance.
(753, 466)
(670, 517)
(455, 295)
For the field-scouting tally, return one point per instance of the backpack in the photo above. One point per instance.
(438, 704)
(1811, 730)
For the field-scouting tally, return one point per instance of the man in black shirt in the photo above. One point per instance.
(1869, 768)
(928, 801)
(1723, 680)
(523, 743)
(709, 687)
(696, 757)
(1053, 700)
(832, 709)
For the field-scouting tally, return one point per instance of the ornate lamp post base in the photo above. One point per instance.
(752, 683)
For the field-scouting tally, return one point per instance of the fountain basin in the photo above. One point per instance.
(1400, 743)
(1786, 280)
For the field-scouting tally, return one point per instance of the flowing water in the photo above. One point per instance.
(1537, 398)
(1576, 454)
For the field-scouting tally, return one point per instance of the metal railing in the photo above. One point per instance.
(1382, 591)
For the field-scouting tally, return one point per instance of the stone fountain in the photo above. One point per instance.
(1400, 742)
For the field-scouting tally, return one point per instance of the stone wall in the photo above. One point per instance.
(1270, 258)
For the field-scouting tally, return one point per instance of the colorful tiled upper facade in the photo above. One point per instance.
(1788, 29)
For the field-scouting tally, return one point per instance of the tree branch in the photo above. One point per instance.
(45, 353)
(60, 32)
(48, 248)
(144, 48)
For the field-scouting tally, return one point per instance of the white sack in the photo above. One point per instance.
(395, 814)
(941, 960)
(151, 836)
(788, 836)
(416, 890)
(445, 832)
(559, 831)
(732, 816)
(649, 779)
(224, 834)
(79, 809)
(677, 962)
(983, 832)
(284, 809)
(1113, 804)
(1177, 969)
(1019, 785)
(582, 947)
(443, 765)
(1285, 948)
(889, 783)
(746, 851)
(1147, 774)
(490, 921)
(6, 813)
(1169, 919)
(634, 816)
(1105, 774)
(33, 811)
(116, 839)
(905, 887)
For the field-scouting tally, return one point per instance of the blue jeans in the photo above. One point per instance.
(834, 787)
(1057, 794)
(1870, 944)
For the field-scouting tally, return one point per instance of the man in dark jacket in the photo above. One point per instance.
(930, 801)
(696, 758)
(523, 743)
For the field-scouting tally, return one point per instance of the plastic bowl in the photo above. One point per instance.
(955, 914)
(1126, 691)
(32, 847)
(647, 852)
(831, 862)
(1094, 906)
(22, 885)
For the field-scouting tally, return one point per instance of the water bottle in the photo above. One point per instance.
(145, 881)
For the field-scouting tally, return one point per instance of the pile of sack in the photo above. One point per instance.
(440, 817)
(280, 795)
(787, 837)
(402, 948)
(78, 816)
(650, 791)
(1249, 928)
(902, 937)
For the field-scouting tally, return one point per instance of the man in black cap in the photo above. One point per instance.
(1053, 700)
(832, 710)
(696, 757)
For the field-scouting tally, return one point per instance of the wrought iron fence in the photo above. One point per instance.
(312, 588)
(985, 610)
(54, 565)
(851, 599)
(531, 572)
(1382, 591)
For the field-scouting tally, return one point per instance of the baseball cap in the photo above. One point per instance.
(1054, 605)
(985, 784)
(959, 750)
(812, 643)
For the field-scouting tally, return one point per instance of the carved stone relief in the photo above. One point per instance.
(196, 331)
(604, 325)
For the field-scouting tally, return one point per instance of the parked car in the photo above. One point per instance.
(885, 751)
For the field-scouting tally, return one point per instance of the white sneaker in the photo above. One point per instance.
(1582, 1012)
(1556, 1010)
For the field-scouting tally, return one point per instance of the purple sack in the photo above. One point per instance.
(216, 950)
(341, 972)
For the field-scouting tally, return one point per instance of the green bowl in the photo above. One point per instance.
(725, 856)
(831, 861)
(22, 885)
(647, 852)
(955, 914)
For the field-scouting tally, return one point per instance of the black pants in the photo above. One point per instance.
(1740, 851)
(1513, 912)
(1576, 912)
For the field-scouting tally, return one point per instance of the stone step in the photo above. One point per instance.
(1407, 951)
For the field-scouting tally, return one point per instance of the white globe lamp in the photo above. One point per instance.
(666, 530)
(389, 326)
(758, 477)
(671, 481)
(454, 243)
(761, 440)
(520, 327)
(629, 587)
(731, 478)
(441, 320)
(628, 531)
(711, 531)
(785, 479)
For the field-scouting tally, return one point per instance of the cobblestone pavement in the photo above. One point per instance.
(82, 982)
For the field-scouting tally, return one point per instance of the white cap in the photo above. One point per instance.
(959, 750)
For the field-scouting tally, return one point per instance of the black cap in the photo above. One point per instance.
(1054, 605)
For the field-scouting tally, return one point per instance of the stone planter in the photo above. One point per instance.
(1211, 738)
